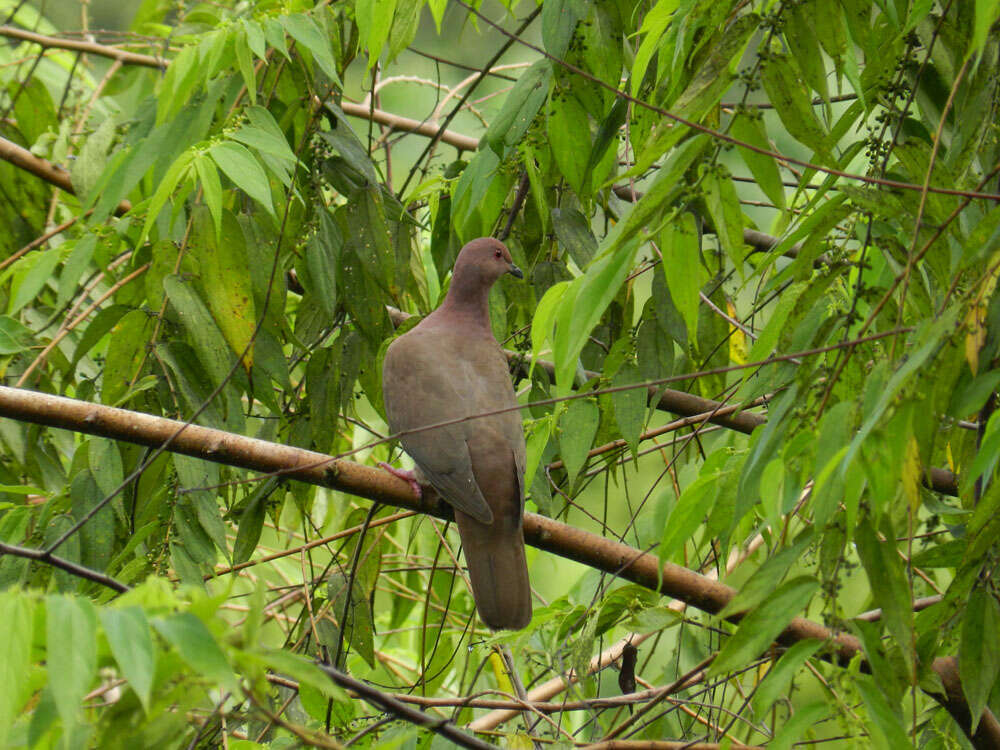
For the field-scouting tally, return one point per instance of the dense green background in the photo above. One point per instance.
(268, 234)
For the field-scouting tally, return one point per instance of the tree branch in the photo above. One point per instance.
(103, 50)
(63, 564)
(409, 125)
(543, 533)
(44, 170)
(388, 703)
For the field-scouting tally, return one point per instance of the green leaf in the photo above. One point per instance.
(208, 341)
(93, 155)
(211, 187)
(178, 171)
(14, 337)
(763, 168)
(474, 202)
(888, 584)
(790, 100)
(767, 340)
(359, 625)
(717, 71)
(539, 432)
(198, 648)
(21, 489)
(246, 172)
(346, 143)
(979, 651)
(71, 643)
(987, 13)
(374, 18)
(244, 60)
(128, 635)
(303, 671)
(30, 274)
(682, 268)
(666, 188)
(105, 464)
(559, 20)
(405, 22)
(507, 129)
(581, 311)
(569, 135)
(264, 134)
(779, 677)
(577, 428)
(629, 405)
(766, 578)
(306, 32)
(762, 625)
(687, 515)
(320, 271)
(573, 231)
(653, 25)
(799, 723)
(16, 624)
(724, 208)
(541, 325)
(255, 38)
(72, 271)
(193, 475)
(252, 521)
(225, 280)
(602, 43)
(126, 348)
(212, 47)
(889, 732)
(986, 457)
(926, 340)
(104, 321)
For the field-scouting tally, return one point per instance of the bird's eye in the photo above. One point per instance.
(497, 254)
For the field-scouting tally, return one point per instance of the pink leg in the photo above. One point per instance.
(409, 476)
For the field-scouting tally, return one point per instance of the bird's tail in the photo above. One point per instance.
(498, 570)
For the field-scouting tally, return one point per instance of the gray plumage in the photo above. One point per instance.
(449, 367)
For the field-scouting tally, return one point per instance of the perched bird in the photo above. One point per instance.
(450, 367)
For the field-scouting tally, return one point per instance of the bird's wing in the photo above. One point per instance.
(421, 388)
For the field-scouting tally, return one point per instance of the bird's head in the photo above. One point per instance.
(485, 260)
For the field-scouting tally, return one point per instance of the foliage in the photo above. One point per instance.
(791, 206)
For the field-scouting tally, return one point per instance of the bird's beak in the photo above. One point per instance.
(516, 272)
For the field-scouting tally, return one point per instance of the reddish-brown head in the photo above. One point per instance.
(482, 262)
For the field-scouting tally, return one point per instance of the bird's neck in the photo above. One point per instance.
(470, 303)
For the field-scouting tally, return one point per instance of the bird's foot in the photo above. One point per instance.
(409, 476)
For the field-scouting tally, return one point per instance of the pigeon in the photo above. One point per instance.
(450, 367)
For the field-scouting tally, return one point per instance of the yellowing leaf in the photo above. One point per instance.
(737, 339)
(500, 673)
(975, 336)
(975, 319)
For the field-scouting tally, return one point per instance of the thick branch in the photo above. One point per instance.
(544, 533)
